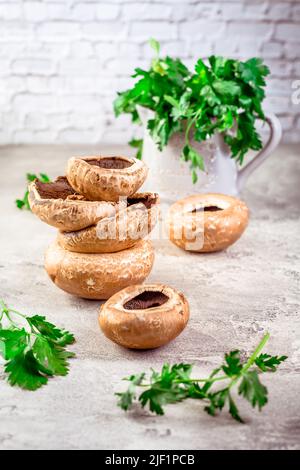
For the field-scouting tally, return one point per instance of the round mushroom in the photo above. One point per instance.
(106, 178)
(59, 205)
(207, 222)
(118, 232)
(98, 276)
(144, 316)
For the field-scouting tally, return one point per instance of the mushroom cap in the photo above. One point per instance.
(118, 232)
(98, 276)
(207, 222)
(106, 178)
(59, 205)
(162, 319)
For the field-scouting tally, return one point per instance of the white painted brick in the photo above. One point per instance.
(27, 102)
(81, 49)
(35, 11)
(232, 11)
(57, 29)
(279, 10)
(196, 29)
(291, 50)
(10, 11)
(39, 85)
(279, 68)
(33, 66)
(249, 47)
(62, 61)
(159, 30)
(201, 49)
(35, 120)
(286, 122)
(107, 11)
(104, 30)
(203, 10)
(58, 11)
(84, 12)
(77, 136)
(272, 50)
(5, 68)
(250, 29)
(40, 137)
(125, 66)
(171, 48)
(106, 50)
(147, 11)
(255, 10)
(127, 49)
(81, 67)
(226, 47)
(288, 32)
(296, 12)
(279, 86)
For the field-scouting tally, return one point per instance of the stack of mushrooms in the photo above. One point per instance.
(102, 222)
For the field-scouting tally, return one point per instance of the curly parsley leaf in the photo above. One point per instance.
(138, 144)
(269, 363)
(34, 352)
(174, 384)
(223, 95)
(24, 203)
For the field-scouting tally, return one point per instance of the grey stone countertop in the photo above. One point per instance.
(234, 297)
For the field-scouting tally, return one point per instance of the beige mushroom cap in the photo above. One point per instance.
(106, 178)
(144, 316)
(207, 222)
(57, 204)
(98, 276)
(118, 232)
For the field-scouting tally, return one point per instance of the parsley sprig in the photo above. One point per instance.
(33, 348)
(174, 384)
(223, 95)
(24, 203)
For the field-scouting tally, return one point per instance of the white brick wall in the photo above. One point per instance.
(62, 61)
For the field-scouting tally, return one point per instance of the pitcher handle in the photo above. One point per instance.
(273, 141)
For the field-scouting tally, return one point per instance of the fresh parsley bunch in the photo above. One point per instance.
(24, 203)
(223, 95)
(33, 348)
(174, 384)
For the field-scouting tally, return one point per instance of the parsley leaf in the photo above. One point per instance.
(223, 95)
(33, 352)
(174, 384)
(24, 203)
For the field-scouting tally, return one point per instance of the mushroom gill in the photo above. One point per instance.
(145, 300)
(110, 163)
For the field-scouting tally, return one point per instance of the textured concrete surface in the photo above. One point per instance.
(235, 296)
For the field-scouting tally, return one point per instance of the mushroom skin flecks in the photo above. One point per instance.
(207, 222)
(104, 181)
(58, 205)
(98, 276)
(119, 232)
(138, 321)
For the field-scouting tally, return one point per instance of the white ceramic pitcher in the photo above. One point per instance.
(172, 179)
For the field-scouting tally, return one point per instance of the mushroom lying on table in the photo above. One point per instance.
(144, 316)
(207, 222)
(117, 232)
(59, 205)
(106, 178)
(98, 276)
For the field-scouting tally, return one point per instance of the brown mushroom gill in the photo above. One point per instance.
(59, 189)
(110, 163)
(148, 201)
(206, 209)
(145, 300)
